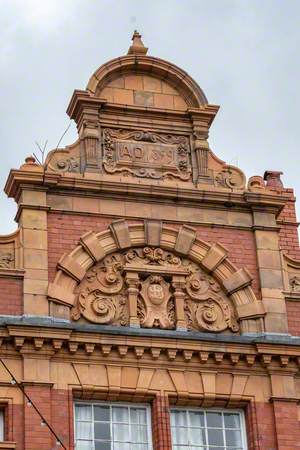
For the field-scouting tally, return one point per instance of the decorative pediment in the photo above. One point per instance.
(151, 276)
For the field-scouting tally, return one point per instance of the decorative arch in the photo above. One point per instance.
(181, 258)
(176, 77)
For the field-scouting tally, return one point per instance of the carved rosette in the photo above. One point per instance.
(150, 282)
(146, 154)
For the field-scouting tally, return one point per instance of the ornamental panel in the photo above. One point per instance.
(146, 154)
(150, 287)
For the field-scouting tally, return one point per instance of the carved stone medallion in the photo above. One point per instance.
(146, 154)
(154, 311)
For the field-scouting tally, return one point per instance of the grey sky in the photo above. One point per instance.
(243, 54)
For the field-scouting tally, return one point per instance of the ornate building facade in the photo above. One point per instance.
(149, 299)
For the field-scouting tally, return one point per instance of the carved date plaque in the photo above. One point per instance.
(146, 154)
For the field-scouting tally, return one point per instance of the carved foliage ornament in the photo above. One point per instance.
(146, 154)
(102, 295)
(6, 260)
(295, 284)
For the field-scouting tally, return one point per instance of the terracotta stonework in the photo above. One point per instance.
(147, 271)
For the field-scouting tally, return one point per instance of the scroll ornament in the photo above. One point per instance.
(102, 295)
(230, 177)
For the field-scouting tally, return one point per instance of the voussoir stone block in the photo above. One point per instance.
(185, 239)
(213, 258)
(237, 281)
(92, 246)
(71, 267)
(255, 309)
(59, 294)
(120, 232)
(153, 229)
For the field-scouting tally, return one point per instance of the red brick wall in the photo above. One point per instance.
(260, 426)
(11, 296)
(14, 424)
(293, 316)
(288, 235)
(161, 429)
(64, 231)
(287, 425)
(36, 436)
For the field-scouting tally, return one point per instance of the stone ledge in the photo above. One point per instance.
(7, 445)
(12, 273)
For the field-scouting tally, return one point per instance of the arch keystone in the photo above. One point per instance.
(185, 239)
(153, 229)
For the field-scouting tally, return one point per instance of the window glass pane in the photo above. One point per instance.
(138, 415)
(121, 446)
(1, 425)
(121, 432)
(139, 447)
(120, 414)
(102, 430)
(178, 418)
(233, 438)
(102, 413)
(139, 433)
(196, 419)
(102, 445)
(84, 445)
(231, 420)
(111, 427)
(84, 430)
(215, 437)
(197, 436)
(214, 419)
(180, 435)
(83, 412)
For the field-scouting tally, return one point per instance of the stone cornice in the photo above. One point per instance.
(260, 352)
(20, 179)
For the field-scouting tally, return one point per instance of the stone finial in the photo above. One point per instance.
(272, 179)
(137, 47)
(31, 164)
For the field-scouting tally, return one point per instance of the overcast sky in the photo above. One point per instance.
(243, 54)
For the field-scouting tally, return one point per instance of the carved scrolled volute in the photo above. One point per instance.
(101, 294)
(150, 287)
(230, 177)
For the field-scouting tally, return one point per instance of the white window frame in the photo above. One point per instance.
(221, 410)
(109, 403)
